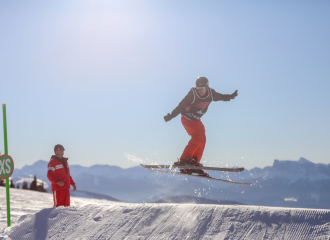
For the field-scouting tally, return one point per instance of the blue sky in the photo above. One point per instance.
(98, 77)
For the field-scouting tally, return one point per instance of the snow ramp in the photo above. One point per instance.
(171, 221)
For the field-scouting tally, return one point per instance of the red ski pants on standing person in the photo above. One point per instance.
(61, 198)
(197, 142)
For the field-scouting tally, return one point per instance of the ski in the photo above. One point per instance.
(194, 167)
(199, 176)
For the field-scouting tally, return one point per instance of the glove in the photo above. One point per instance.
(233, 95)
(168, 117)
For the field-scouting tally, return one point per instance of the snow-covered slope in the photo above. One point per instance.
(24, 202)
(116, 220)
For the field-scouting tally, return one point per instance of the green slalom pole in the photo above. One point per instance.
(6, 152)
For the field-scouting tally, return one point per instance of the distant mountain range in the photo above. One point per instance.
(285, 184)
(86, 194)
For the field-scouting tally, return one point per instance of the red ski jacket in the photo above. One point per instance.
(59, 170)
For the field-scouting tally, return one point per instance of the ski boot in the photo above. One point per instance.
(188, 161)
(200, 172)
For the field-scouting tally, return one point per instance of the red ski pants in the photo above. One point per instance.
(197, 142)
(61, 198)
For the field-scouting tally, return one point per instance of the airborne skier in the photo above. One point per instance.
(194, 105)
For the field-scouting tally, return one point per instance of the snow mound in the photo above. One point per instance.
(24, 202)
(170, 221)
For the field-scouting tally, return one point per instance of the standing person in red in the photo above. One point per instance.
(59, 175)
(192, 108)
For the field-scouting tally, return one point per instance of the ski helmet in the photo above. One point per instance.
(202, 82)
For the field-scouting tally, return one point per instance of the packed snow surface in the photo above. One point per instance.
(98, 219)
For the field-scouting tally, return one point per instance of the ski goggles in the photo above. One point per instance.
(201, 89)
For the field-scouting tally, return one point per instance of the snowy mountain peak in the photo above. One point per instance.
(290, 165)
(40, 163)
(304, 161)
(283, 165)
(37, 164)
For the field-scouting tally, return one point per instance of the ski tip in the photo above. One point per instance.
(238, 170)
(245, 184)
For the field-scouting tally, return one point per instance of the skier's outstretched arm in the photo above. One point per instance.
(188, 99)
(223, 97)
